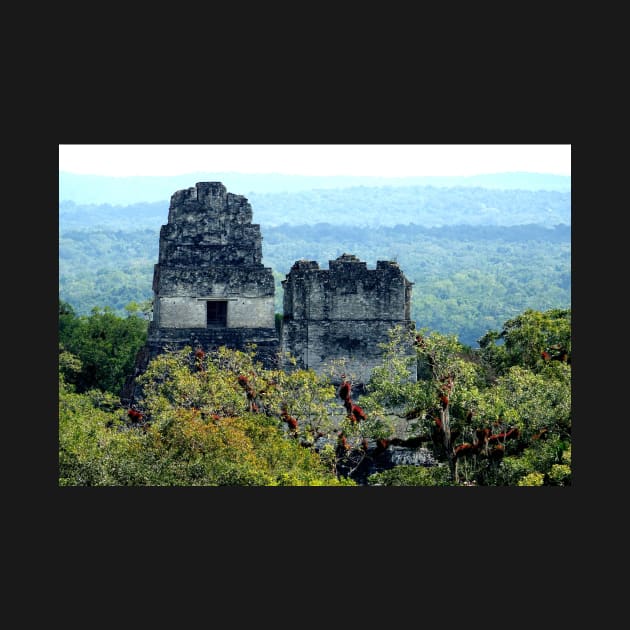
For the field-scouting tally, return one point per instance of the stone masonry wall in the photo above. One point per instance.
(343, 312)
(210, 251)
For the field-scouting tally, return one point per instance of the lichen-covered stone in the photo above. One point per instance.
(210, 252)
(211, 289)
(343, 312)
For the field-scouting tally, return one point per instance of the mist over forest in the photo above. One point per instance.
(103, 189)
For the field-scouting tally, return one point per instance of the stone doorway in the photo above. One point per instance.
(216, 313)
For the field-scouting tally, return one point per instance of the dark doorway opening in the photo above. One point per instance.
(217, 313)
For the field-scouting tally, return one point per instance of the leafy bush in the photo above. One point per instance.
(411, 476)
(195, 430)
(532, 479)
(559, 475)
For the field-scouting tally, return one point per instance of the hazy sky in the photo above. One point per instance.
(386, 160)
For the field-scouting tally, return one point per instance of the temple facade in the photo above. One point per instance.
(211, 289)
(343, 312)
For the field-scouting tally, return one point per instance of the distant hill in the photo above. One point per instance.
(97, 189)
(467, 279)
(353, 207)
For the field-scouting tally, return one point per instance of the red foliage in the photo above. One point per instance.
(199, 356)
(135, 416)
(243, 381)
(356, 413)
(559, 353)
(444, 400)
(465, 449)
(505, 435)
(541, 434)
(290, 420)
(545, 355)
(343, 442)
(344, 390)
(382, 444)
(483, 435)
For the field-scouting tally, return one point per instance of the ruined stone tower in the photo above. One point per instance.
(210, 287)
(344, 311)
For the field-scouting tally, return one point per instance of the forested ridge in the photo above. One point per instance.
(467, 279)
(129, 190)
(356, 206)
(476, 256)
(495, 416)
(492, 305)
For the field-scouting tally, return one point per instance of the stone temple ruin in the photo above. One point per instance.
(343, 312)
(211, 289)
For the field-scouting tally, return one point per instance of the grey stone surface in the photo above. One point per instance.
(343, 312)
(210, 251)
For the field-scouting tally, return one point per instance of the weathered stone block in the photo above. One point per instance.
(211, 289)
(209, 278)
(343, 312)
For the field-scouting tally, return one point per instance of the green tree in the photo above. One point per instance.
(493, 416)
(530, 340)
(105, 344)
(412, 476)
(67, 321)
(194, 427)
(492, 419)
(226, 412)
